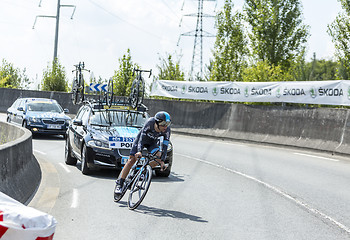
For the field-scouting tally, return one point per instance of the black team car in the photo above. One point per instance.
(101, 137)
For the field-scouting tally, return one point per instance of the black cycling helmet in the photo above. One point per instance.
(163, 118)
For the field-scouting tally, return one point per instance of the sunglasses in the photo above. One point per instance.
(164, 124)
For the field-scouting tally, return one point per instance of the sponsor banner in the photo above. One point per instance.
(333, 92)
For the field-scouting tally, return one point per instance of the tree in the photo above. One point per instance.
(265, 72)
(124, 76)
(54, 78)
(323, 70)
(339, 30)
(11, 77)
(170, 69)
(230, 49)
(277, 33)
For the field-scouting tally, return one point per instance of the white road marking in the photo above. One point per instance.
(75, 198)
(228, 143)
(42, 153)
(64, 167)
(324, 158)
(279, 191)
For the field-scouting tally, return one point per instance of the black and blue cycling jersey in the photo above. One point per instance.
(148, 138)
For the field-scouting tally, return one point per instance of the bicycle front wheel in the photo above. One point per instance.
(134, 94)
(140, 187)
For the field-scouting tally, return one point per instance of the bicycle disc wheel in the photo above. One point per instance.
(140, 187)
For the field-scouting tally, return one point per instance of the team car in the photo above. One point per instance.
(101, 137)
(39, 115)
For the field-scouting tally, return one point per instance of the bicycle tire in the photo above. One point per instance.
(109, 94)
(140, 187)
(118, 197)
(141, 94)
(134, 94)
(74, 92)
(81, 89)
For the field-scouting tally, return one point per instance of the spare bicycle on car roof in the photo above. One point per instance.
(135, 99)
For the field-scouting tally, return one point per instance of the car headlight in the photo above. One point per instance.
(170, 147)
(34, 119)
(98, 143)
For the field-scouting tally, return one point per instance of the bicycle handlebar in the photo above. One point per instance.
(80, 67)
(141, 71)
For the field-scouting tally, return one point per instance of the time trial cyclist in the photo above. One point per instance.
(155, 127)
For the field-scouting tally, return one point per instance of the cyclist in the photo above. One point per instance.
(154, 128)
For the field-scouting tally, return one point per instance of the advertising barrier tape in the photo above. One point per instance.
(19, 222)
(333, 92)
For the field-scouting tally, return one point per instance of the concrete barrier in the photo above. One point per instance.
(324, 129)
(19, 171)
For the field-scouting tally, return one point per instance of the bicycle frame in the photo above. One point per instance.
(139, 182)
(145, 163)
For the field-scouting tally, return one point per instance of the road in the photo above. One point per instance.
(217, 190)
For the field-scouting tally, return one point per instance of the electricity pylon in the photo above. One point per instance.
(57, 23)
(197, 56)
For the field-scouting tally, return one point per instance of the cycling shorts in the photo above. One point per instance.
(151, 148)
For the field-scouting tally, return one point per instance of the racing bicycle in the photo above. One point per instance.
(137, 92)
(138, 181)
(78, 83)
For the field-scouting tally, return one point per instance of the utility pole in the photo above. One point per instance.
(197, 56)
(57, 23)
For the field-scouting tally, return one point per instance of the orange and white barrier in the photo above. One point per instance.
(19, 222)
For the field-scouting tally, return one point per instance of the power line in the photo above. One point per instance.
(197, 56)
(121, 19)
(57, 17)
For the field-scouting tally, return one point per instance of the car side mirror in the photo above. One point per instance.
(20, 109)
(66, 110)
(77, 122)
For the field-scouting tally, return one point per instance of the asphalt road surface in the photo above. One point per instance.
(217, 190)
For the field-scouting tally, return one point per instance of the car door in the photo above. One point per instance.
(73, 131)
(11, 111)
(18, 116)
(80, 129)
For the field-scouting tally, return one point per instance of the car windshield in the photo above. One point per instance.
(118, 118)
(44, 107)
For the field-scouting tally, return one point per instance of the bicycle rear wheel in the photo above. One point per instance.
(141, 94)
(134, 94)
(140, 187)
(75, 92)
(109, 94)
(81, 90)
(118, 197)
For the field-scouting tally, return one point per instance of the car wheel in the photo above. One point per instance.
(84, 167)
(164, 173)
(68, 154)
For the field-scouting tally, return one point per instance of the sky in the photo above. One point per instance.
(101, 31)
